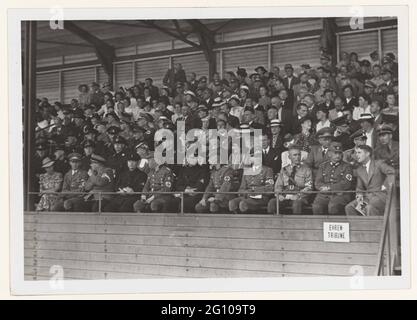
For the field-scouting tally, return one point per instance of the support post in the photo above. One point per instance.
(29, 103)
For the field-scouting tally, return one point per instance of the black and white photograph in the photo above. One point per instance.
(186, 145)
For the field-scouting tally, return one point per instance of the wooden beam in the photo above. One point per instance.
(172, 34)
(29, 109)
(105, 52)
(207, 43)
(131, 25)
(223, 25)
(66, 43)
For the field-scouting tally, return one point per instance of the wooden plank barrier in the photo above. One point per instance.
(129, 246)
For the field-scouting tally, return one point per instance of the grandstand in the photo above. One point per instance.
(95, 93)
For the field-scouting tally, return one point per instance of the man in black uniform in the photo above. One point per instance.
(342, 132)
(192, 177)
(117, 161)
(138, 136)
(333, 175)
(88, 146)
(131, 180)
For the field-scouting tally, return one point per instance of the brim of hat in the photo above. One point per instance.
(75, 159)
(97, 161)
(325, 136)
(48, 164)
(384, 132)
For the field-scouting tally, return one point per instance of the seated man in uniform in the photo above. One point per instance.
(192, 177)
(293, 177)
(74, 181)
(349, 156)
(221, 180)
(101, 179)
(373, 178)
(256, 178)
(160, 179)
(130, 180)
(333, 175)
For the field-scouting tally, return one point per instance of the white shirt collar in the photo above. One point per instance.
(367, 165)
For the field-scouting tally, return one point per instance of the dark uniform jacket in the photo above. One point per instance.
(101, 181)
(336, 176)
(272, 159)
(345, 140)
(221, 180)
(388, 153)
(194, 177)
(160, 178)
(74, 182)
(133, 179)
(62, 166)
(349, 156)
(118, 162)
(262, 182)
(316, 157)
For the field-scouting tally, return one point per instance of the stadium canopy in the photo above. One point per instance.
(103, 37)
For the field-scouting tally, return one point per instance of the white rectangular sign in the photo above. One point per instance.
(336, 232)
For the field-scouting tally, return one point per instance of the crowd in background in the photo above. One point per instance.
(330, 128)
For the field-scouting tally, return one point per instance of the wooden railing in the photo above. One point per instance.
(389, 258)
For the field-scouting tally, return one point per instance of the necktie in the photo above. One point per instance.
(294, 169)
(324, 151)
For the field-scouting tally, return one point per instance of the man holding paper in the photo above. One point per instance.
(373, 178)
(295, 177)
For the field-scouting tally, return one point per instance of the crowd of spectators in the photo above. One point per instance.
(330, 128)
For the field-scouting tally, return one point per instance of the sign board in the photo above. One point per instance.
(336, 232)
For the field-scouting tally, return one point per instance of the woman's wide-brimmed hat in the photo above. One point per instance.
(47, 162)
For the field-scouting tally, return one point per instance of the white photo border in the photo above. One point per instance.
(21, 287)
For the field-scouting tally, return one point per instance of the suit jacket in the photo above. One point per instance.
(286, 119)
(290, 85)
(102, 181)
(272, 159)
(351, 104)
(191, 122)
(171, 78)
(380, 174)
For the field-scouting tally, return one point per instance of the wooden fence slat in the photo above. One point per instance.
(262, 222)
(294, 256)
(201, 271)
(260, 244)
(239, 233)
